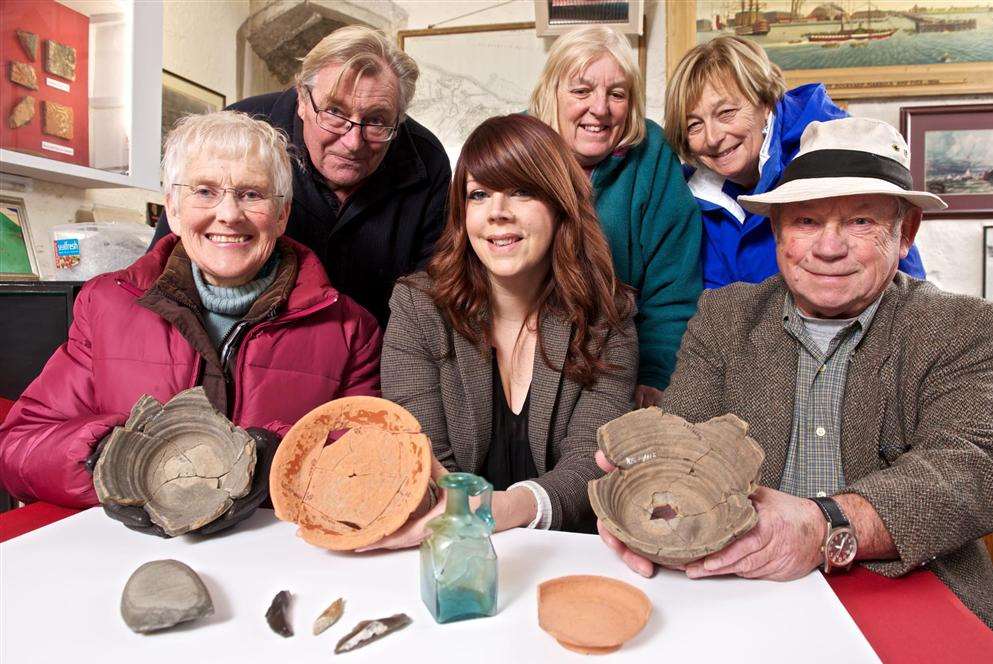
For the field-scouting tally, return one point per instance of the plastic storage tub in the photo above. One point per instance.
(83, 251)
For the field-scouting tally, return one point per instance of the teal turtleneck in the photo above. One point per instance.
(223, 307)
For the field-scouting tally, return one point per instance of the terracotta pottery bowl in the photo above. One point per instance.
(358, 489)
(681, 490)
(593, 615)
(183, 462)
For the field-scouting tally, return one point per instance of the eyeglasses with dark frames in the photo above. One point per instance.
(206, 196)
(338, 124)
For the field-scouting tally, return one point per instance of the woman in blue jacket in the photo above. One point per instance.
(730, 118)
(591, 92)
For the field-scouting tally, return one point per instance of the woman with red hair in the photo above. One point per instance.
(519, 341)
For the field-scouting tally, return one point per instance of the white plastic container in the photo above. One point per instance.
(83, 251)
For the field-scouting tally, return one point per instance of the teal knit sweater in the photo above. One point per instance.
(653, 226)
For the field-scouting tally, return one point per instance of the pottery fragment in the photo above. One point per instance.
(163, 593)
(183, 462)
(22, 113)
(360, 488)
(56, 120)
(681, 490)
(60, 59)
(330, 616)
(368, 631)
(592, 615)
(276, 614)
(29, 43)
(23, 74)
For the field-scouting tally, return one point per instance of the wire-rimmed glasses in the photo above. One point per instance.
(207, 196)
(340, 125)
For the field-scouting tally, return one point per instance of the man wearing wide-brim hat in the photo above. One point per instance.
(871, 392)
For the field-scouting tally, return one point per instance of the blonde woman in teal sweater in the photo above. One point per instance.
(590, 91)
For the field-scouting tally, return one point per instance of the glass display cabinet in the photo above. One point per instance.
(81, 91)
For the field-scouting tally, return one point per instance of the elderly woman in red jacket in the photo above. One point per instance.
(225, 302)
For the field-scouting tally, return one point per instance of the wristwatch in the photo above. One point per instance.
(840, 544)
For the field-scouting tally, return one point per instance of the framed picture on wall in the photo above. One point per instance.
(951, 155)
(17, 259)
(181, 96)
(858, 50)
(988, 262)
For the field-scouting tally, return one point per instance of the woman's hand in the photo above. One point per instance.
(511, 509)
(514, 508)
(645, 396)
(415, 530)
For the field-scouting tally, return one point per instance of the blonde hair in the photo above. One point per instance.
(228, 135)
(572, 53)
(723, 61)
(361, 51)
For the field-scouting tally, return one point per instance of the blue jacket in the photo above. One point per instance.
(738, 245)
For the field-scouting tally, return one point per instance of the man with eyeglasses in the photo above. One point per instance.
(370, 185)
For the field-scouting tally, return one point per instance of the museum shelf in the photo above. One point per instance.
(112, 93)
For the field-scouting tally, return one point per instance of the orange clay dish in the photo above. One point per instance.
(362, 487)
(592, 615)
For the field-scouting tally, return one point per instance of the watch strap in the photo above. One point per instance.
(832, 512)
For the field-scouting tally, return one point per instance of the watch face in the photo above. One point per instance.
(840, 548)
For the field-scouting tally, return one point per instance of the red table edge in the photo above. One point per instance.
(858, 591)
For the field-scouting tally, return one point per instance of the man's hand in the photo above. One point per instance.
(785, 544)
(638, 564)
(645, 396)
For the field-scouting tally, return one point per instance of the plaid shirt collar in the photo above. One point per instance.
(793, 318)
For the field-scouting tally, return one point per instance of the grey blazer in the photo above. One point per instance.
(446, 383)
(917, 414)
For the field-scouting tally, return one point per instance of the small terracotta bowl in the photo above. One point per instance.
(360, 488)
(681, 491)
(592, 615)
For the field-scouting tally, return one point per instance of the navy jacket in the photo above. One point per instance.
(386, 229)
(738, 245)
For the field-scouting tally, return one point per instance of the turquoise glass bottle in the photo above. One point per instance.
(458, 563)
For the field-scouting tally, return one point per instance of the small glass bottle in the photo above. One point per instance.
(458, 563)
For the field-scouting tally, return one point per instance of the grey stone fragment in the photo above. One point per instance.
(163, 593)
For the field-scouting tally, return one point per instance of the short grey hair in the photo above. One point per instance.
(228, 135)
(361, 50)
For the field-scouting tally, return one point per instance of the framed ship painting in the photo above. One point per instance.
(857, 49)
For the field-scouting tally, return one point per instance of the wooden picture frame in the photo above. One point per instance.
(951, 155)
(988, 273)
(945, 76)
(181, 96)
(17, 251)
(455, 93)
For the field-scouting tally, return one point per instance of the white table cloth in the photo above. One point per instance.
(61, 591)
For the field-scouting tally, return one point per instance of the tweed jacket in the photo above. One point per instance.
(917, 414)
(445, 381)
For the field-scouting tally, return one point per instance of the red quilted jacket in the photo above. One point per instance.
(320, 346)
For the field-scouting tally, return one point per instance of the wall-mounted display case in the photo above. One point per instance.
(81, 93)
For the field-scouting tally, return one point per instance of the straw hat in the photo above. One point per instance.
(846, 157)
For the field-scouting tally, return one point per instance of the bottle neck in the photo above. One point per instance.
(456, 502)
